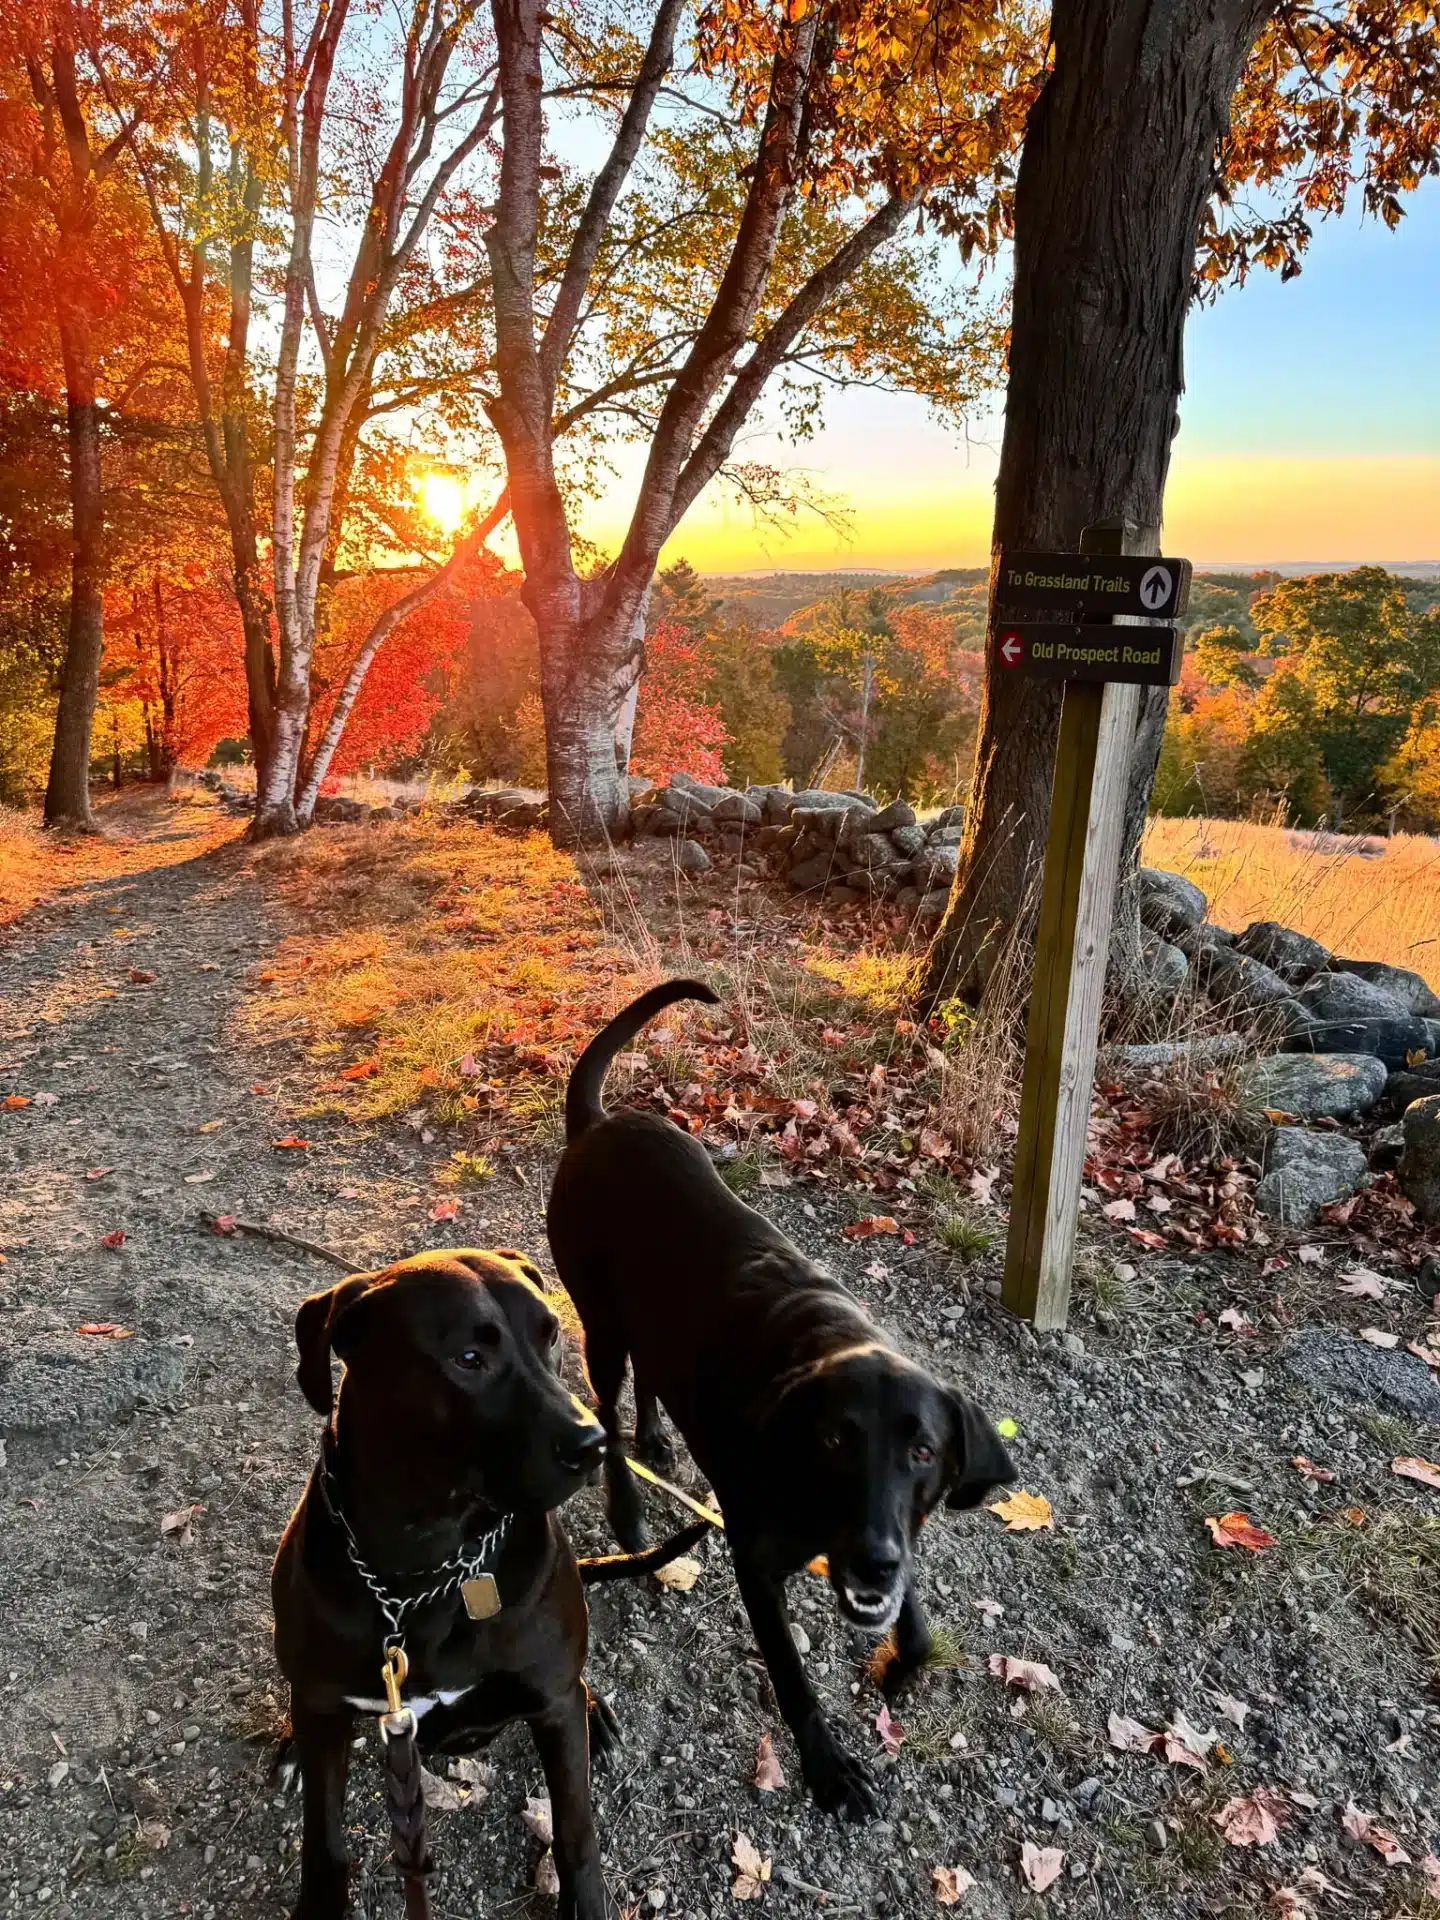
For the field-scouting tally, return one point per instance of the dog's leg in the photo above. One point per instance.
(652, 1443)
(605, 1358)
(563, 1742)
(912, 1645)
(840, 1783)
(323, 1743)
(606, 1738)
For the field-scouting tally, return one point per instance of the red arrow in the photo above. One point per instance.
(1012, 649)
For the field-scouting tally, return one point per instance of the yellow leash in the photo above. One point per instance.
(705, 1513)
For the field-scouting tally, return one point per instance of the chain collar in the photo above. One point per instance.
(451, 1574)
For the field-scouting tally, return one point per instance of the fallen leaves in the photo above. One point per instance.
(210, 1126)
(1366, 1828)
(105, 1330)
(1024, 1512)
(15, 1100)
(1131, 1736)
(1410, 1468)
(680, 1574)
(98, 1173)
(1254, 1820)
(1231, 1709)
(1040, 1866)
(1239, 1530)
(445, 1210)
(869, 1225)
(1379, 1338)
(438, 1794)
(751, 1871)
(537, 1818)
(892, 1734)
(1033, 1675)
(769, 1775)
(114, 1240)
(290, 1142)
(223, 1223)
(179, 1527)
(1308, 1470)
(951, 1884)
(1183, 1745)
(141, 977)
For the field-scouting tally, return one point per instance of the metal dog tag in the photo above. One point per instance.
(481, 1597)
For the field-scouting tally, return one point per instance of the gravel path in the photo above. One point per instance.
(140, 1698)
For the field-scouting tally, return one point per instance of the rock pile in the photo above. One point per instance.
(1333, 1040)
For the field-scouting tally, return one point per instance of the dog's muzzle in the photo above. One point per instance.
(870, 1590)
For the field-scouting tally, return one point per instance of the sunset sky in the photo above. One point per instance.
(1310, 432)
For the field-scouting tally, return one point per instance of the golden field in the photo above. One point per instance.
(1366, 898)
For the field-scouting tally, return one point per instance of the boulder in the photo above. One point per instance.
(685, 803)
(1419, 1169)
(946, 836)
(500, 803)
(381, 816)
(822, 797)
(1168, 902)
(824, 822)
(933, 904)
(861, 880)
(1338, 1364)
(707, 797)
(1414, 1083)
(1212, 1050)
(874, 851)
(1335, 998)
(1386, 1146)
(899, 813)
(908, 899)
(1294, 956)
(1312, 1086)
(845, 896)
(691, 857)
(1203, 939)
(806, 874)
(1393, 1040)
(1166, 967)
(1242, 986)
(1305, 1171)
(908, 841)
(1415, 993)
(937, 865)
(740, 808)
(949, 817)
(659, 822)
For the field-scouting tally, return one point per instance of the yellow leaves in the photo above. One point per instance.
(679, 1575)
(752, 1873)
(1024, 1512)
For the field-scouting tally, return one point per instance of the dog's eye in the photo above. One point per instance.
(471, 1357)
(831, 1440)
(922, 1455)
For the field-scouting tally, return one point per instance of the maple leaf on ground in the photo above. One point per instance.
(1040, 1866)
(1238, 1530)
(935, 1146)
(1430, 1872)
(222, 1223)
(98, 1173)
(1234, 1318)
(1131, 1736)
(1310, 1256)
(1121, 1209)
(951, 1884)
(751, 1871)
(363, 1069)
(1366, 1828)
(870, 1225)
(1379, 1338)
(679, 1575)
(445, 1210)
(1186, 1746)
(105, 1330)
(769, 1775)
(1231, 1709)
(1033, 1675)
(1024, 1512)
(547, 1875)
(438, 1794)
(1308, 1469)
(1409, 1468)
(991, 1609)
(1156, 1241)
(290, 1142)
(141, 977)
(1363, 1286)
(892, 1734)
(179, 1526)
(537, 1817)
(1248, 1822)
(15, 1100)
(114, 1240)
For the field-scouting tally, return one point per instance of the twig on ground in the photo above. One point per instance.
(258, 1232)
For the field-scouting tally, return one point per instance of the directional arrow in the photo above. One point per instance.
(1012, 649)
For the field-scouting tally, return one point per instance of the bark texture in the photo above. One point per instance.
(67, 793)
(1119, 161)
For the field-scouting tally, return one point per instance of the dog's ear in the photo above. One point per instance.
(977, 1453)
(526, 1265)
(325, 1324)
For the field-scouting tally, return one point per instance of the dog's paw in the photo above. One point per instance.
(606, 1739)
(900, 1670)
(839, 1783)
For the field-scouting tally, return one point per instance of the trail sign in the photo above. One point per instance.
(1089, 583)
(1142, 656)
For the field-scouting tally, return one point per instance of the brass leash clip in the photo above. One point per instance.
(397, 1718)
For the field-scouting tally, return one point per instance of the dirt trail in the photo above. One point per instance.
(140, 1701)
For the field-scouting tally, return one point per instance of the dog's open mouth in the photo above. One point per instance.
(872, 1608)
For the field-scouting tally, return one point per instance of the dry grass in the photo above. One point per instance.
(1368, 899)
(447, 967)
(140, 830)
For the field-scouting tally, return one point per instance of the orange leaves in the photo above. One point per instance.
(142, 977)
(1031, 1675)
(950, 1885)
(1024, 1512)
(114, 1240)
(1238, 1530)
(769, 1776)
(1253, 1821)
(870, 1225)
(105, 1330)
(445, 1210)
(16, 1100)
(1366, 1828)
(290, 1142)
(1409, 1468)
(363, 1069)
(892, 1734)
(1308, 1470)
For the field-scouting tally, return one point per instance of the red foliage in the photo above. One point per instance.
(677, 730)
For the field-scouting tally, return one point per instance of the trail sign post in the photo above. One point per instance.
(1104, 668)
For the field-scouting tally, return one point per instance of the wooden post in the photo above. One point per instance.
(1082, 858)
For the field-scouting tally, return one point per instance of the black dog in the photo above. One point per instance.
(451, 1444)
(817, 1436)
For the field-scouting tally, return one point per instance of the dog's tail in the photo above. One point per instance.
(630, 1566)
(583, 1106)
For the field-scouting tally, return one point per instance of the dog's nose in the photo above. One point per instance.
(580, 1449)
(876, 1567)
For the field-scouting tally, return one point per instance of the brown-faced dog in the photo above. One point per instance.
(450, 1424)
(817, 1436)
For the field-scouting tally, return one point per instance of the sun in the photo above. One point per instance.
(442, 499)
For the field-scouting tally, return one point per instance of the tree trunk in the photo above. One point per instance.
(589, 668)
(1119, 161)
(67, 796)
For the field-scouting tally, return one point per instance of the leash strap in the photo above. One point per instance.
(676, 1493)
(405, 1790)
